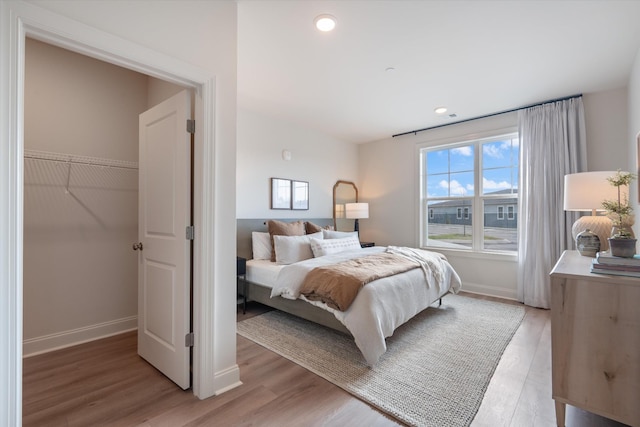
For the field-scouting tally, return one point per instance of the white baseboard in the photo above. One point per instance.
(476, 288)
(227, 379)
(47, 343)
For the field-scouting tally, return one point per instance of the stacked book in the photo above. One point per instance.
(605, 263)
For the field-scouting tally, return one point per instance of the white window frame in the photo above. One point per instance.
(476, 140)
(500, 212)
(511, 212)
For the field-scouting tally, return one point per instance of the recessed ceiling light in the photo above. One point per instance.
(440, 110)
(325, 22)
(389, 69)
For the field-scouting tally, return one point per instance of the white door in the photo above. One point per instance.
(164, 212)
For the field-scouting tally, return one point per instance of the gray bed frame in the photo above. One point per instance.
(262, 294)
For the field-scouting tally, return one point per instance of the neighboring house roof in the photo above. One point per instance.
(488, 201)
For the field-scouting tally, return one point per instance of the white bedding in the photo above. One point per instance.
(380, 306)
(263, 272)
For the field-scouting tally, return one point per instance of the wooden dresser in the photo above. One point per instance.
(595, 341)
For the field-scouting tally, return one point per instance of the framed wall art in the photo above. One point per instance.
(299, 195)
(280, 193)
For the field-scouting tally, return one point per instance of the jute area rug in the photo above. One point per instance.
(436, 369)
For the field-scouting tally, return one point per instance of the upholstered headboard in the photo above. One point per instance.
(246, 226)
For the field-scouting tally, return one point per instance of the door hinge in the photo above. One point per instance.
(189, 340)
(191, 126)
(190, 232)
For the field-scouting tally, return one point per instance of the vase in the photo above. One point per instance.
(588, 243)
(622, 223)
(617, 228)
(625, 248)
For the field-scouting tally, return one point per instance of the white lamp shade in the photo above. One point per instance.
(586, 191)
(356, 210)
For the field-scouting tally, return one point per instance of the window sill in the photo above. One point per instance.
(495, 256)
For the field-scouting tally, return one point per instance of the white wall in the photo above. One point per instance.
(387, 173)
(606, 121)
(160, 90)
(633, 139)
(316, 158)
(389, 168)
(79, 105)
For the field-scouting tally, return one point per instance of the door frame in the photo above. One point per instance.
(17, 21)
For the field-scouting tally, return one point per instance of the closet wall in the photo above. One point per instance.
(80, 273)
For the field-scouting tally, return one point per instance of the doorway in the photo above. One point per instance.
(215, 370)
(81, 196)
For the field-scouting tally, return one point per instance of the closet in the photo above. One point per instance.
(79, 280)
(80, 195)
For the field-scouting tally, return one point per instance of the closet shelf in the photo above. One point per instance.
(79, 160)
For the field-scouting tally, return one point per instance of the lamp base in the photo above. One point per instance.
(599, 225)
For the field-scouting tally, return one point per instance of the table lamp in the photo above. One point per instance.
(356, 211)
(585, 191)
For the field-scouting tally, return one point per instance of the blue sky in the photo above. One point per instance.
(450, 171)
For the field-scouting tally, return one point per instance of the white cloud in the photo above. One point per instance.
(456, 189)
(463, 151)
(493, 185)
(498, 150)
(493, 150)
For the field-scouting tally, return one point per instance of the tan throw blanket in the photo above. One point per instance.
(338, 284)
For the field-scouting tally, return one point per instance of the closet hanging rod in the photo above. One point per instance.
(80, 160)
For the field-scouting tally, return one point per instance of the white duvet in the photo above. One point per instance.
(382, 305)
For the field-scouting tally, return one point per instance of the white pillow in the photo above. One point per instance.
(330, 234)
(261, 245)
(333, 246)
(290, 249)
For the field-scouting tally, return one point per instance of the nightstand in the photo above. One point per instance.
(595, 356)
(367, 244)
(241, 277)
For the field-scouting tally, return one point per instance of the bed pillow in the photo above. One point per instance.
(280, 228)
(311, 228)
(290, 249)
(261, 245)
(330, 234)
(333, 246)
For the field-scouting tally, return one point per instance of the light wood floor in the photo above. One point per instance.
(105, 383)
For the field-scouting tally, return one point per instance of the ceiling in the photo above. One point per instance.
(474, 57)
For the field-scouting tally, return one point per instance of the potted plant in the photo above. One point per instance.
(622, 240)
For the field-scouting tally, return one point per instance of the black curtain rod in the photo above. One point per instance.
(415, 132)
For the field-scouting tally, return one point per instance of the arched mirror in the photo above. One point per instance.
(343, 192)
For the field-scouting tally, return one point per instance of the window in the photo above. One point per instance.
(465, 188)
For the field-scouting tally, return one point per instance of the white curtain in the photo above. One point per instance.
(552, 144)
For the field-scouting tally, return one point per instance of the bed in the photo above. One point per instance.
(378, 308)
